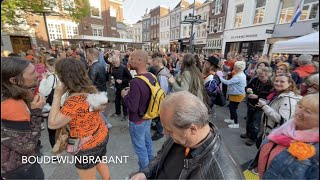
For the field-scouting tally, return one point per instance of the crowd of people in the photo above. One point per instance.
(67, 88)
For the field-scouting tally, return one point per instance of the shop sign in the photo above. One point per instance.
(244, 36)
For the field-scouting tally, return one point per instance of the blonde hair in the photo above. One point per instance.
(312, 100)
(312, 80)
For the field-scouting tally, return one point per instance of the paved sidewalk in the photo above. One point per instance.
(120, 145)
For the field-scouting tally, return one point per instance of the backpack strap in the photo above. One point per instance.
(146, 80)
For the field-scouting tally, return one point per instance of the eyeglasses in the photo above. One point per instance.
(286, 74)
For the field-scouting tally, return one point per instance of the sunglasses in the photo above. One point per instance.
(281, 74)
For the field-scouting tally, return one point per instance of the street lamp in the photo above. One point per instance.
(192, 19)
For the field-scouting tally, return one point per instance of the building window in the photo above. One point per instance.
(184, 31)
(172, 34)
(177, 33)
(178, 20)
(218, 7)
(198, 31)
(205, 16)
(286, 11)
(96, 8)
(54, 31)
(309, 9)
(97, 32)
(167, 22)
(72, 31)
(220, 24)
(173, 21)
(189, 30)
(212, 24)
(259, 11)
(239, 14)
(204, 30)
(158, 19)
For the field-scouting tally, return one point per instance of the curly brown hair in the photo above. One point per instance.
(74, 76)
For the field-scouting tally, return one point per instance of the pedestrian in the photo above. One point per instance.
(137, 101)
(98, 75)
(194, 149)
(122, 78)
(258, 87)
(46, 88)
(279, 107)
(304, 70)
(163, 74)
(235, 92)
(190, 78)
(20, 119)
(292, 150)
(310, 85)
(211, 73)
(83, 117)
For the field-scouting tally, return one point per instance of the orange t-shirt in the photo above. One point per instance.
(84, 123)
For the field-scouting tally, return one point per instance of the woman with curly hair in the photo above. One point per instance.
(81, 113)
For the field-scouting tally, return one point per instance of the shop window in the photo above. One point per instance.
(238, 16)
(309, 9)
(286, 11)
(259, 12)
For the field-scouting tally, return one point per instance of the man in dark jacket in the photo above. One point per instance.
(98, 74)
(97, 70)
(259, 87)
(195, 149)
(122, 78)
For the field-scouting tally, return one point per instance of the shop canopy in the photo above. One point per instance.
(308, 44)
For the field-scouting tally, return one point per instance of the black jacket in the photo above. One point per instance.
(123, 74)
(214, 162)
(98, 75)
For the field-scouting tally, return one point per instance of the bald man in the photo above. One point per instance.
(137, 100)
(195, 149)
(122, 78)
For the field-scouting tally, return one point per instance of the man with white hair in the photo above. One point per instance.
(122, 78)
(194, 149)
(305, 68)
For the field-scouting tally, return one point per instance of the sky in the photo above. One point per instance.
(133, 10)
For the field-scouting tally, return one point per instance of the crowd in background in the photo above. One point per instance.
(276, 90)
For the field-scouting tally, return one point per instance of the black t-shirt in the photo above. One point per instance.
(173, 164)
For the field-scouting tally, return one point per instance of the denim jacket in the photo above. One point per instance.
(237, 84)
(286, 166)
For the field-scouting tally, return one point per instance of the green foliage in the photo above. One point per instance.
(12, 10)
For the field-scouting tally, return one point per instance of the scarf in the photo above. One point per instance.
(287, 133)
(273, 94)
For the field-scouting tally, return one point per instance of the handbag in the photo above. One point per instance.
(220, 100)
(74, 145)
(61, 140)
